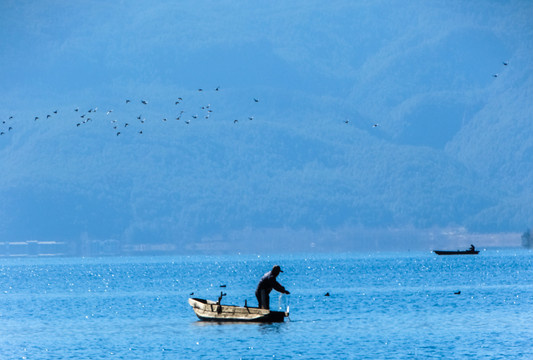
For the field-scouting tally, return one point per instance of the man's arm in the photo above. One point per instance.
(280, 288)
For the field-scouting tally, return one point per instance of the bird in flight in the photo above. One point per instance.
(84, 116)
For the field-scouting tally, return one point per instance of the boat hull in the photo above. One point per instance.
(458, 252)
(207, 310)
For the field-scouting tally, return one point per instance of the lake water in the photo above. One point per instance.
(382, 306)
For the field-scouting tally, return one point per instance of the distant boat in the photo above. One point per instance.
(208, 310)
(457, 252)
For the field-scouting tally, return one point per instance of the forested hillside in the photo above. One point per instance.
(239, 124)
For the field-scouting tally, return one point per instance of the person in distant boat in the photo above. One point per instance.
(472, 247)
(265, 286)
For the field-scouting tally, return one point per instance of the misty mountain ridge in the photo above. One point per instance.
(331, 136)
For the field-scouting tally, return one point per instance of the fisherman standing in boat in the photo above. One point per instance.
(265, 286)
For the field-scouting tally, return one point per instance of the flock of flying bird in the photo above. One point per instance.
(203, 112)
(120, 127)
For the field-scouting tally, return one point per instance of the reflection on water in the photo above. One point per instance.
(383, 306)
(272, 328)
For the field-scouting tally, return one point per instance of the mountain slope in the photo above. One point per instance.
(298, 119)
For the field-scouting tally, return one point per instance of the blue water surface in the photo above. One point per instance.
(381, 306)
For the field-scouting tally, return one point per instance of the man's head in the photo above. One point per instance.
(276, 270)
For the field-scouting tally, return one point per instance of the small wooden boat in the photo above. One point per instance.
(457, 252)
(208, 310)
